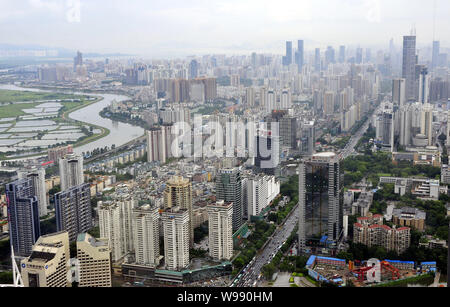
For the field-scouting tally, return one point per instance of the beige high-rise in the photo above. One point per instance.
(49, 263)
(178, 193)
(220, 216)
(94, 256)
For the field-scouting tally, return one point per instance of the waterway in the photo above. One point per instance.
(120, 133)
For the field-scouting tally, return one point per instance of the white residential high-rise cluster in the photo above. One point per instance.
(176, 238)
(220, 217)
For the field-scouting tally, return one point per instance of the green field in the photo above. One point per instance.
(14, 110)
(19, 96)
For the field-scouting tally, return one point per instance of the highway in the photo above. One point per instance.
(250, 276)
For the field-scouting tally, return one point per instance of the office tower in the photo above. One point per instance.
(317, 65)
(178, 193)
(320, 199)
(250, 96)
(54, 154)
(359, 56)
(435, 54)
(287, 60)
(235, 80)
(176, 238)
(384, 128)
(146, 235)
(288, 131)
(268, 151)
(94, 256)
(193, 69)
(328, 103)
(368, 56)
(77, 61)
(116, 225)
(399, 92)
(409, 66)
(220, 218)
(330, 56)
(71, 171)
(424, 86)
(37, 177)
(254, 60)
(342, 54)
(229, 189)
(308, 138)
(23, 216)
(49, 262)
(73, 210)
(300, 55)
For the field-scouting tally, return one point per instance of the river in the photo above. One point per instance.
(120, 133)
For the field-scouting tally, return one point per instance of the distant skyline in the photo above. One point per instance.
(161, 28)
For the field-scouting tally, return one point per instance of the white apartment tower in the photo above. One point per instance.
(146, 235)
(176, 238)
(71, 171)
(220, 216)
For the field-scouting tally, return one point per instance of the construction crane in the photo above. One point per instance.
(386, 267)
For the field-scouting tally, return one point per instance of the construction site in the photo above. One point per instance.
(364, 273)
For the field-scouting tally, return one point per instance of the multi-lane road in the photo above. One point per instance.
(250, 276)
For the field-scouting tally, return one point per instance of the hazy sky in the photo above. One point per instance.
(182, 27)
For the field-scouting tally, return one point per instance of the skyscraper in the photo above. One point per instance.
(193, 69)
(320, 199)
(317, 65)
(49, 262)
(77, 61)
(435, 55)
(37, 177)
(300, 56)
(399, 92)
(176, 238)
(73, 210)
(229, 189)
(359, 56)
(23, 215)
(178, 193)
(146, 235)
(287, 59)
(94, 256)
(342, 54)
(409, 66)
(220, 217)
(71, 171)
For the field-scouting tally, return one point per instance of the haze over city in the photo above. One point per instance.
(178, 28)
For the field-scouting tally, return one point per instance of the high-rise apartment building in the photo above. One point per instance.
(94, 259)
(317, 60)
(37, 176)
(71, 171)
(146, 235)
(116, 224)
(176, 238)
(220, 217)
(320, 199)
(23, 216)
(49, 262)
(229, 189)
(159, 144)
(178, 193)
(73, 210)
